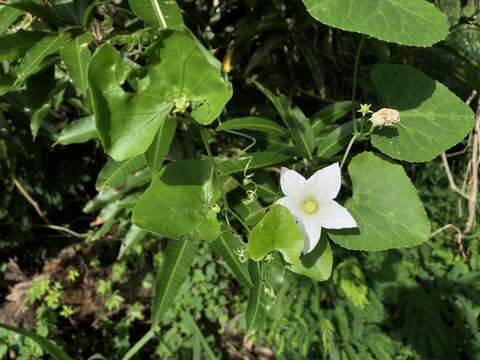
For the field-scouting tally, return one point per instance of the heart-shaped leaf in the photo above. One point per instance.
(278, 231)
(407, 22)
(317, 264)
(127, 122)
(385, 206)
(432, 118)
(178, 204)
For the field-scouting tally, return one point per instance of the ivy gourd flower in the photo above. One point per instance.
(311, 202)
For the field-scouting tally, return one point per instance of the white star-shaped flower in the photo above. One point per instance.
(311, 202)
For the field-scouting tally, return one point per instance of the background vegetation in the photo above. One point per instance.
(75, 269)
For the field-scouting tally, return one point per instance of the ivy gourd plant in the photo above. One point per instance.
(157, 101)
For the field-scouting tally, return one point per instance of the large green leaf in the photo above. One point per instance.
(385, 206)
(32, 62)
(432, 118)
(317, 264)
(179, 202)
(182, 73)
(278, 231)
(179, 257)
(12, 46)
(76, 57)
(407, 22)
(160, 146)
(162, 14)
(227, 245)
(45, 344)
(296, 121)
(255, 123)
(78, 131)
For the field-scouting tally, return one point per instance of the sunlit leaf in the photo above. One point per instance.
(385, 206)
(432, 118)
(278, 231)
(128, 122)
(116, 173)
(407, 22)
(32, 62)
(78, 131)
(161, 14)
(179, 202)
(76, 57)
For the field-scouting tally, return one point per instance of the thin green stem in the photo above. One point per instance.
(349, 147)
(203, 133)
(354, 81)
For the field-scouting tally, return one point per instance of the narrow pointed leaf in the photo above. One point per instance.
(209, 354)
(329, 114)
(179, 257)
(227, 245)
(407, 22)
(116, 173)
(13, 46)
(161, 14)
(160, 146)
(254, 160)
(76, 57)
(45, 344)
(8, 16)
(296, 121)
(78, 131)
(255, 123)
(385, 206)
(32, 61)
(278, 231)
(256, 312)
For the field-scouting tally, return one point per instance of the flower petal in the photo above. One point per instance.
(311, 230)
(291, 182)
(334, 216)
(326, 182)
(291, 204)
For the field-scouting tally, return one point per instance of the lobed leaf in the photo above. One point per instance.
(278, 231)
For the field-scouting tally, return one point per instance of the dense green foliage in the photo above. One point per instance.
(141, 143)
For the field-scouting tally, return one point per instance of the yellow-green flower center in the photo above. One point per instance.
(310, 206)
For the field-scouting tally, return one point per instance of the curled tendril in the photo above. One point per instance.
(270, 292)
(242, 255)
